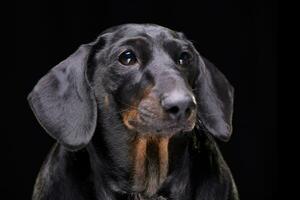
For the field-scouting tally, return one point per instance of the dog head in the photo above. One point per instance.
(154, 77)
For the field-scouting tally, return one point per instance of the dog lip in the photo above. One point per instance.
(149, 122)
(142, 124)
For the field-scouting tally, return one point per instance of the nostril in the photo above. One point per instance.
(189, 109)
(173, 110)
(179, 106)
(188, 112)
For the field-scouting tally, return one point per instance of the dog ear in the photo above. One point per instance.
(215, 100)
(64, 103)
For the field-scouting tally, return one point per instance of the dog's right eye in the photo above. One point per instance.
(128, 58)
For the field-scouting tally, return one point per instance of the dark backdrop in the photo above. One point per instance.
(240, 37)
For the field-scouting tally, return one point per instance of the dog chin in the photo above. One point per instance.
(158, 130)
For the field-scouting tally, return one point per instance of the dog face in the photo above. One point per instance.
(153, 76)
(150, 72)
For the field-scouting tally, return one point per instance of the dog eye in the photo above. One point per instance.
(184, 58)
(128, 58)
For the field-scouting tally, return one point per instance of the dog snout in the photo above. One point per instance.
(178, 105)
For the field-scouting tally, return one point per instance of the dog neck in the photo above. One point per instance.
(150, 158)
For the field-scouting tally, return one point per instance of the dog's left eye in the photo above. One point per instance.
(184, 58)
(128, 58)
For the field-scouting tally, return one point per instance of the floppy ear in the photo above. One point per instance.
(64, 103)
(215, 100)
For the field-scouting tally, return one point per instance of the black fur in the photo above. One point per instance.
(80, 102)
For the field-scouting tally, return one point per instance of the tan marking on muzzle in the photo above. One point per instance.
(132, 113)
(128, 116)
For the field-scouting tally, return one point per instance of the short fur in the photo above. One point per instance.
(114, 140)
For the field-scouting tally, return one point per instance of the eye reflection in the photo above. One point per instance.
(128, 58)
(184, 58)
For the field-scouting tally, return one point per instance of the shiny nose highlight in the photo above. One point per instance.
(178, 105)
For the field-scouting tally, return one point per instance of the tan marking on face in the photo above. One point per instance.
(106, 102)
(140, 148)
(128, 116)
(150, 172)
(132, 113)
(163, 154)
(146, 91)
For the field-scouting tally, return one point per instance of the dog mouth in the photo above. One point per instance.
(151, 116)
(147, 122)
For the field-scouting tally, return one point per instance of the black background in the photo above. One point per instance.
(240, 37)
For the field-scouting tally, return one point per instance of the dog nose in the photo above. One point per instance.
(178, 105)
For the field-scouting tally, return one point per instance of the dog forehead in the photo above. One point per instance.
(155, 32)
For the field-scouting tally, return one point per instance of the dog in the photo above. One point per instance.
(135, 115)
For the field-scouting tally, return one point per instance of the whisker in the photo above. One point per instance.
(131, 106)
